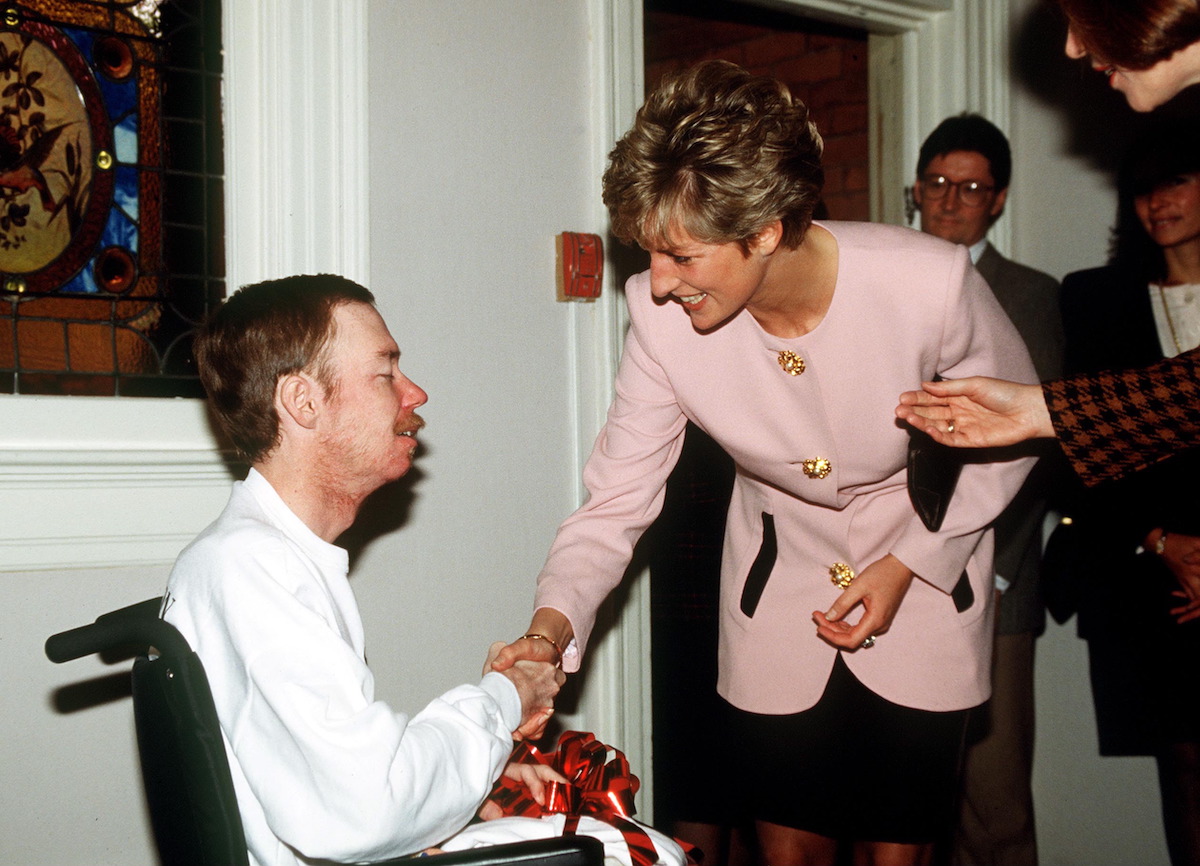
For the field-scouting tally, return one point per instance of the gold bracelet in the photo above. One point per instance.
(549, 640)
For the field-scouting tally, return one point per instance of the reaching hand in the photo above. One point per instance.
(548, 635)
(879, 589)
(524, 649)
(537, 684)
(1188, 611)
(535, 777)
(1181, 554)
(977, 412)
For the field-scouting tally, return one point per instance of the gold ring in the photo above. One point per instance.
(950, 427)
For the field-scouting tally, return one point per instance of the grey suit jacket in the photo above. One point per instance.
(1031, 300)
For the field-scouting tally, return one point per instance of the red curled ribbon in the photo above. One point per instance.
(597, 787)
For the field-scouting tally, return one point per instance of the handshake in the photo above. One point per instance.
(532, 663)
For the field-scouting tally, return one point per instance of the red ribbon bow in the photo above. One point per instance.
(596, 786)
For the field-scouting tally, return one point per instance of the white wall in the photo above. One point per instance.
(72, 791)
(480, 154)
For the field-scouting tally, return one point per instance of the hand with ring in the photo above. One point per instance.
(879, 589)
(977, 412)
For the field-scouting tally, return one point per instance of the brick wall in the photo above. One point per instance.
(826, 66)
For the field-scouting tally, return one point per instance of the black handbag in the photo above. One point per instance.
(933, 471)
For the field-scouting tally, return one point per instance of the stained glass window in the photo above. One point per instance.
(111, 214)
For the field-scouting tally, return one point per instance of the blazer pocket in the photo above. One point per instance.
(963, 594)
(760, 569)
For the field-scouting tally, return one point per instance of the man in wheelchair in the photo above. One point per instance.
(303, 377)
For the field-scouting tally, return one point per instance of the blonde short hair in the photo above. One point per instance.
(718, 153)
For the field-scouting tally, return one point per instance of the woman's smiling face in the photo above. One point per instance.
(1170, 213)
(711, 281)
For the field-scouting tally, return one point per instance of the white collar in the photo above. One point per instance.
(976, 250)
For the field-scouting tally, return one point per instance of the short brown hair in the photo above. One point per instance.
(1133, 34)
(265, 331)
(719, 153)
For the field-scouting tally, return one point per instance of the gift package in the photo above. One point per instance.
(597, 801)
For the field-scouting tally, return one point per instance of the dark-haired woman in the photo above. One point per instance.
(1138, 539)
(1149, 49)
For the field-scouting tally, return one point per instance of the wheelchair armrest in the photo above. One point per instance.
(556, 851)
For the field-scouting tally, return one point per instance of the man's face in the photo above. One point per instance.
(946, 215)
(370, 424)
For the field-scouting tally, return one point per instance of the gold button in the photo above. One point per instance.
(817, 467)
(841, 574)
(791, 363)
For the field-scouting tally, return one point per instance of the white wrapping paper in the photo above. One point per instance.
(515, 829)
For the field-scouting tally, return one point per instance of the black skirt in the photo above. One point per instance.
(853, 767)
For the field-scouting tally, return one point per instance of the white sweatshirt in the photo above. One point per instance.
(322, 770)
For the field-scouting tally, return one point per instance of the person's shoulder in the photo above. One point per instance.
(645, 308)
(872, 251)
(909, 262)
(637, 288)
(235, 546)
(1013, 270)
(1092, 283)
(884, 238)
(1105, 274)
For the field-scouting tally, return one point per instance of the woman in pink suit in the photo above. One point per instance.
(852, 638)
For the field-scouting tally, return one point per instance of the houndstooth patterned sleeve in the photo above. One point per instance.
(1111, 424)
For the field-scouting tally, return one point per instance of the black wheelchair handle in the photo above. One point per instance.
(137, 627)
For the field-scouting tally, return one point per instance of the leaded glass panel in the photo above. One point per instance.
(111, 215)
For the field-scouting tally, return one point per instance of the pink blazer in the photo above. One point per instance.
(906, 306)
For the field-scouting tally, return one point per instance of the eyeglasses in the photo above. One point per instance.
(972, 193)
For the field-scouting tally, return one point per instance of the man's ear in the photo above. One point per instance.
(299, 397)
(998, 205)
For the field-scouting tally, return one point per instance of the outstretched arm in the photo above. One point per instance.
(548, 637)
(537, 682)
(977, 412)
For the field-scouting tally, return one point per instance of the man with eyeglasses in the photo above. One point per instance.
(963, 172)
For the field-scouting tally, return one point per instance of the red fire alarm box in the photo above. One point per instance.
(580, 266)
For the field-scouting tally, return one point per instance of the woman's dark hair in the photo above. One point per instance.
(1162, 152)
(1133, 34)
(262, 332)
